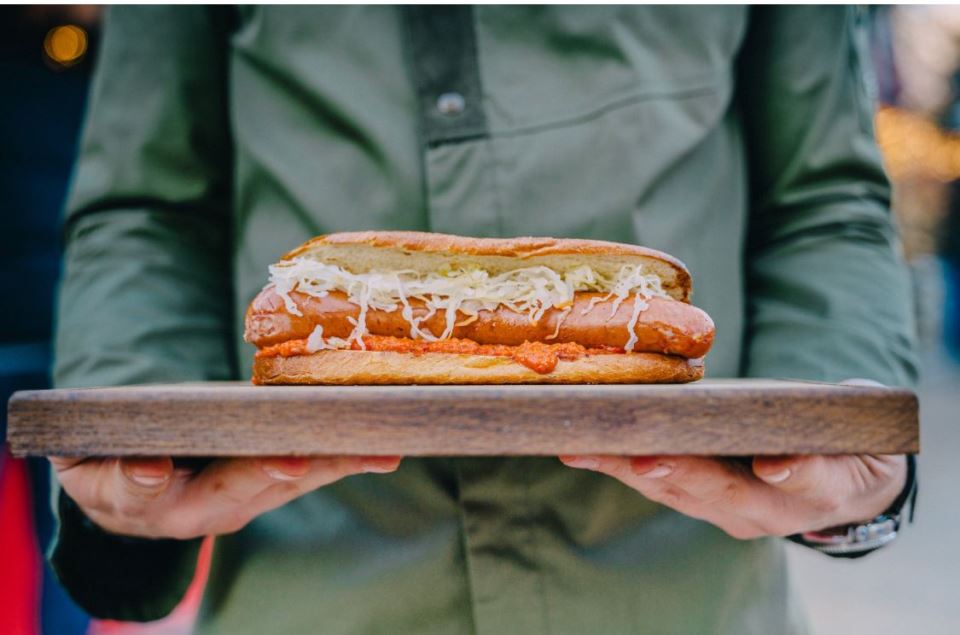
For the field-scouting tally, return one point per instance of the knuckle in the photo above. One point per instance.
(670, 496)
(732, 493)
(219, 485)
(728, 495)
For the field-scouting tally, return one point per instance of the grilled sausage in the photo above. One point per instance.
(665, 326)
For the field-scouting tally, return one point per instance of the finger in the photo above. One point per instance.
(619, 467)
(649, 476)
(716, 490)
(380, 464)
(135, 484)
(112, 485)
(709, 480)
(285, 468)
(805, 475)
(226, 483)
(87, 481)
(326, 470)
(116, 493)
(147, 474)
(78, 476)
(231, 492)
(239, 480)
(63, 463)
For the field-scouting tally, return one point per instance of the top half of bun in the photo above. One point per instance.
(360, 252)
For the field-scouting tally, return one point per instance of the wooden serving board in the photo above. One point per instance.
(719, 417)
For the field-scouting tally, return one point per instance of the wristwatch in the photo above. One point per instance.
(855, 540)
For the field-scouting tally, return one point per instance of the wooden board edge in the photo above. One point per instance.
(23, 402)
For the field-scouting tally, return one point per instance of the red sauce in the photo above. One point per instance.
(537, 356)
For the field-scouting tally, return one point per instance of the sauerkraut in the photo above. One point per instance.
(529, 290)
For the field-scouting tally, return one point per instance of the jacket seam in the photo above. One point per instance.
(607, 107)
(532, 547)
(143, 205)
(465, 545)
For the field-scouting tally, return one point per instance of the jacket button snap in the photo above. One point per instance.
(451, 104)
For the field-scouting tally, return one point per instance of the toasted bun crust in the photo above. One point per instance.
(388, 250)
(369, 367)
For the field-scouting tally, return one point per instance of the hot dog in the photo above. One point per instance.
(412, 307)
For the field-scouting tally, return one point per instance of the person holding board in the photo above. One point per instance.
(736, 139)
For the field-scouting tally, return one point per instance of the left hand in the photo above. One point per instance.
(773, 496)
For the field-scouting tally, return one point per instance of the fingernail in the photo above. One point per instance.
(378, 466)
(585, 462)
(286, 468)
(661, 470)
(778, 477)
(147, 480)
(279, 475)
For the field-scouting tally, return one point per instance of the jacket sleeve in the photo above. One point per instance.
(146, 292)
(828, 293)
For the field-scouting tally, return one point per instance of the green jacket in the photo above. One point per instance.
(738, 140)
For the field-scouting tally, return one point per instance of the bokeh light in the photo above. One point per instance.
(65, 45)
(913, 146)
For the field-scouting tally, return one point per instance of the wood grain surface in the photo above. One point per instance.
(720, 417)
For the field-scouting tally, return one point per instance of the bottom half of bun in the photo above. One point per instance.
(346, 367)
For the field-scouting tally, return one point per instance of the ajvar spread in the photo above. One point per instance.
(537, 356)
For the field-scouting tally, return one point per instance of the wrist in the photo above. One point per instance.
(856, 539)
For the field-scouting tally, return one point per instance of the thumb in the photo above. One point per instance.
(145, 476)
(774, 470)
(803, 474)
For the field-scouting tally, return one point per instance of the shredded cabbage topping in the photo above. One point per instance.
(530, 290)
(315, 341)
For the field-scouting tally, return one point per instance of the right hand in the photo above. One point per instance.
(151, 498)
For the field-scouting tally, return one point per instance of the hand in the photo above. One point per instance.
(151, 498)
(772, 496)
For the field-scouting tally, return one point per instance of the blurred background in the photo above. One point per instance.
(913, 587)
(46, 57)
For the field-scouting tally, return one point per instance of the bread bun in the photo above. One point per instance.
(360, 252)
(348, 367)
